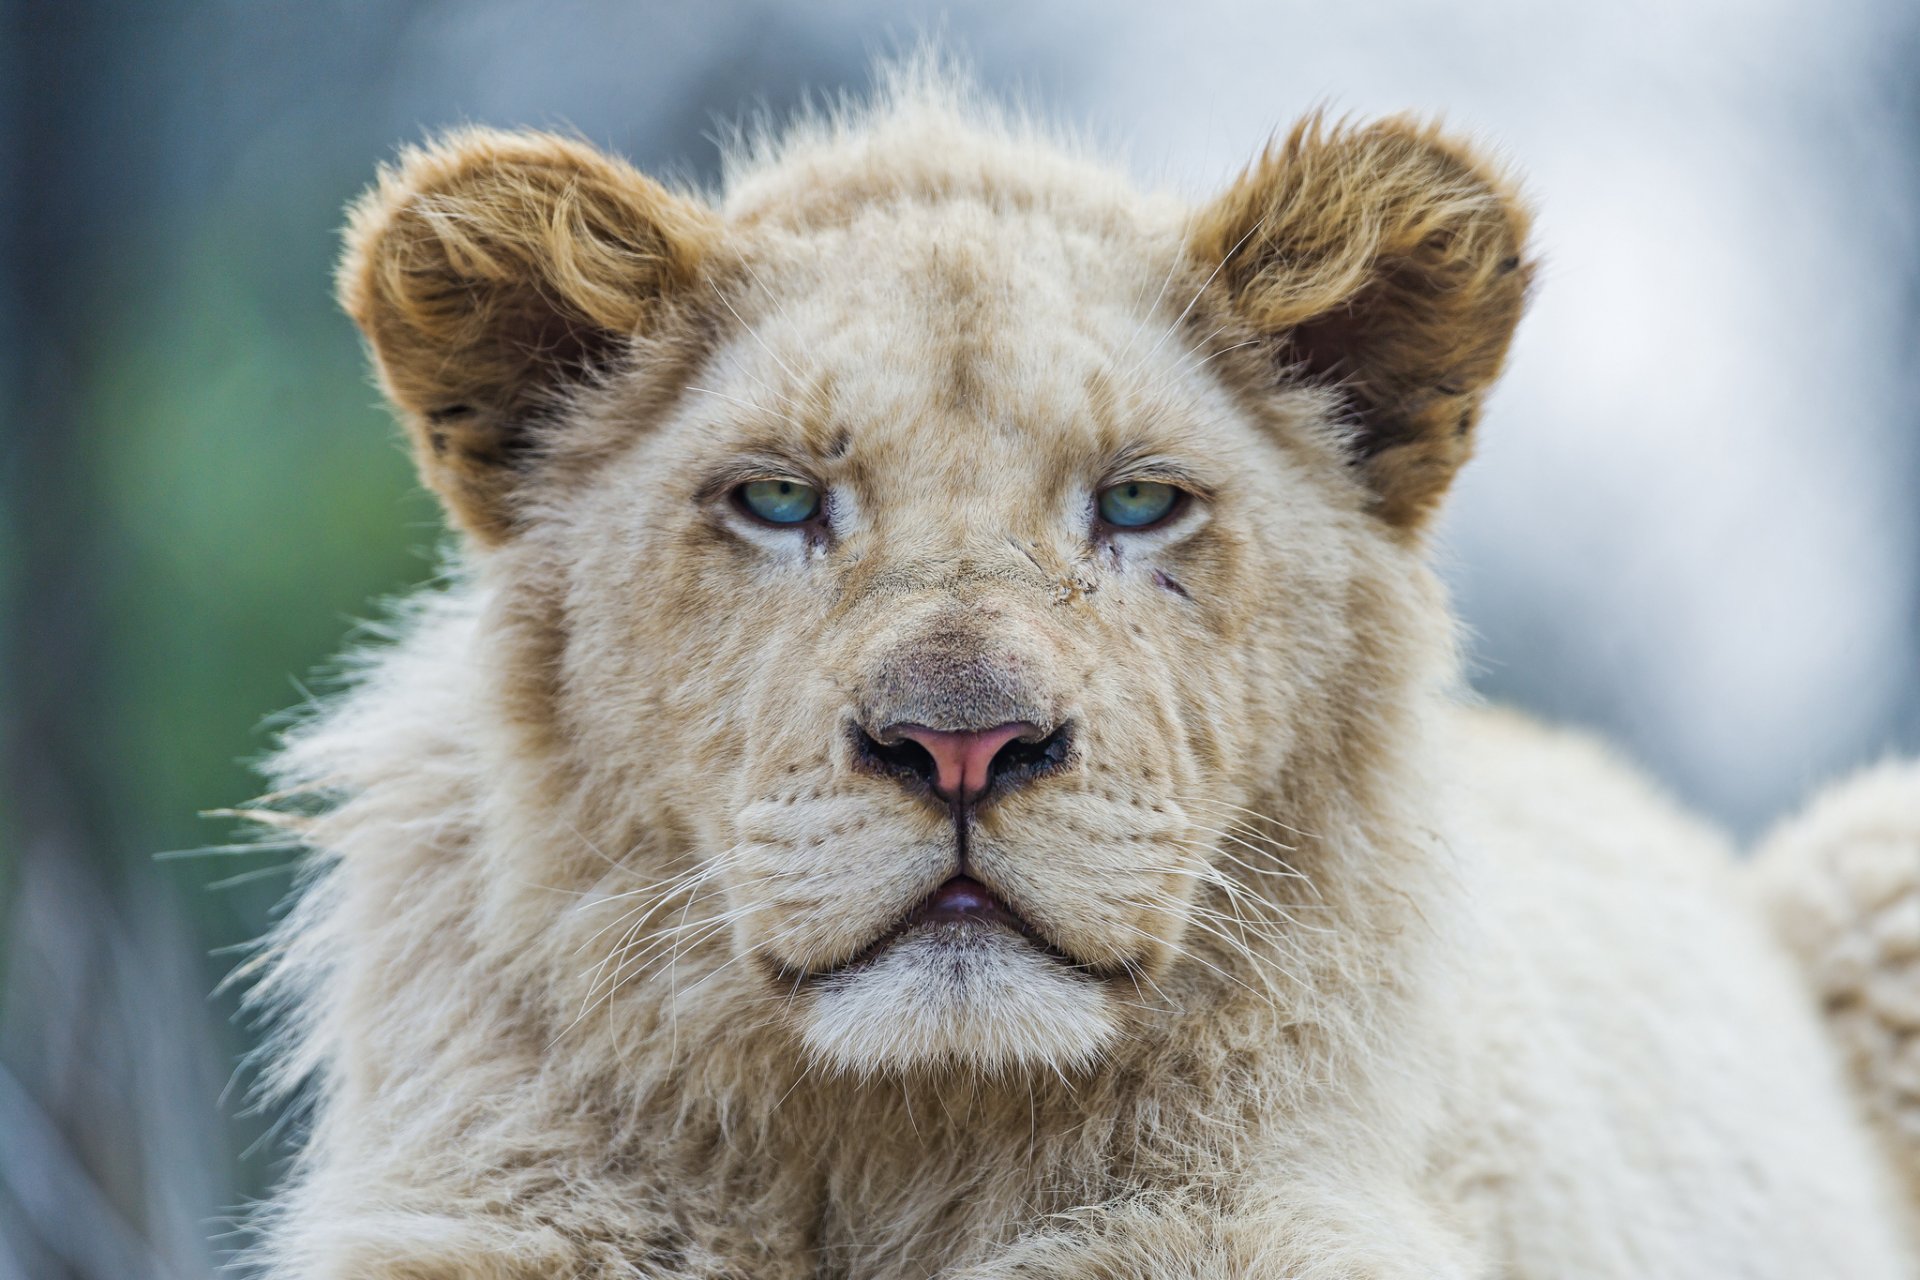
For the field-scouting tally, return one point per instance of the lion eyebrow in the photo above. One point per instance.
(765, 463)
(1141, 463)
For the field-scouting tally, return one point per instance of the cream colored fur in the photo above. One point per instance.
(1841, 883)
(1329, 975)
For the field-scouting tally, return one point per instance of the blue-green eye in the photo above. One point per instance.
(1138, 503)
(780, 501)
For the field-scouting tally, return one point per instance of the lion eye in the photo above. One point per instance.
(1138, 503)
(779, 501)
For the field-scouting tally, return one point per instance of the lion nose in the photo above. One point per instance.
(960, 765)
(962, 760)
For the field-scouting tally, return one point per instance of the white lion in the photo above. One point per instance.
(945, 757)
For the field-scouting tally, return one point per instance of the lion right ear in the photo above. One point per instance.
(490, 270)
(1386, 262)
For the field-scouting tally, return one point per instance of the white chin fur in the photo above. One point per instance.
(981, 999)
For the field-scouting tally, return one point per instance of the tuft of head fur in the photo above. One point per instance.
(1840, 883)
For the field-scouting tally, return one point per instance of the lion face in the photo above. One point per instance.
(946, 725)
(946, 584)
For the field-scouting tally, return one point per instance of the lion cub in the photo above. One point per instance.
(942, 757)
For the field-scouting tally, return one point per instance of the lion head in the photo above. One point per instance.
(916, 564)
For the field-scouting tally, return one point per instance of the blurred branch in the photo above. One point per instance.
(68, 1212)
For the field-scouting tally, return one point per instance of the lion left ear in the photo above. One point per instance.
(490, 273)
(1385, 261)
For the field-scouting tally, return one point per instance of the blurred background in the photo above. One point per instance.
(1693, 524)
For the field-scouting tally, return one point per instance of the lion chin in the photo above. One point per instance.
(962, 980)
(959, 994)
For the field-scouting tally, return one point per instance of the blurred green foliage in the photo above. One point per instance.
(264, 500)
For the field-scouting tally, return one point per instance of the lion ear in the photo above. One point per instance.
(1385, 262)
(488, 272)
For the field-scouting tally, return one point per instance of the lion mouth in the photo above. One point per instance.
(964, 900)
(961, 908)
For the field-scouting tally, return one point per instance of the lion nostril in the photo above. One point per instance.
(902, 758)
(1028, 757)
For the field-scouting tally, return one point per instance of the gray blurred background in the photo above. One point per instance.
(1693, 524)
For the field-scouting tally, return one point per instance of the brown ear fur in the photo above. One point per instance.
(486, 269)
(1385, 260)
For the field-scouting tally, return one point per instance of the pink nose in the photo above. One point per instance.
(963, 760)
